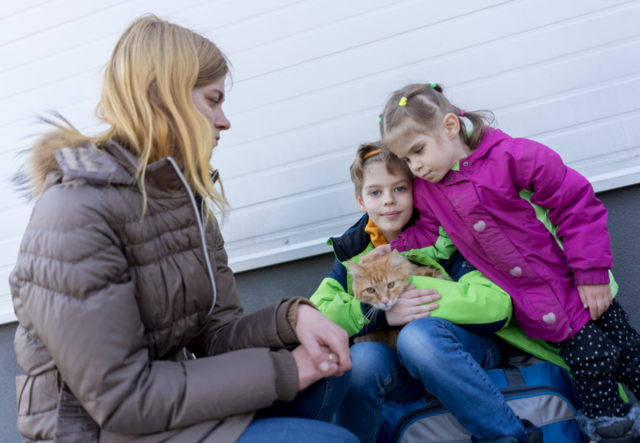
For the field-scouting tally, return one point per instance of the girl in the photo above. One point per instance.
(122, 277)
(530, 224)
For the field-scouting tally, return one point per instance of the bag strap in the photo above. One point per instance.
(513, 375)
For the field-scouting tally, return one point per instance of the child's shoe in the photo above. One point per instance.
(611, 429)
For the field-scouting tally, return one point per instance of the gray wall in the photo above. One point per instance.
(300, 278)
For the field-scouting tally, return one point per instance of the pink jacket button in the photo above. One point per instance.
(480, 226)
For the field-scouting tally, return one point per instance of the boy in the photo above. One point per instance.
(443, 347)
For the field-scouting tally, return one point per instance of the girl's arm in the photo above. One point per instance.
(580, 216)
(426, 235)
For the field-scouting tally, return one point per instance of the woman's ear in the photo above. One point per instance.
(360, 203)
(451, 125)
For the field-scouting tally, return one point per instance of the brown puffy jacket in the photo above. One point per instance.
(110, 302)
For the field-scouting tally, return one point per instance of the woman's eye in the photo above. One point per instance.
(391, 284)
(418, 151)
(400, 189)
(371, 290)
(374, 193)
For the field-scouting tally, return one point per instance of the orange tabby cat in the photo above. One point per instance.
(378, 281)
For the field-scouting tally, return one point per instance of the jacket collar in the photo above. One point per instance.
(490, 138)
(356, 239)
(113, 164)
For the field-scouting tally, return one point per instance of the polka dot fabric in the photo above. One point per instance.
(602, 353)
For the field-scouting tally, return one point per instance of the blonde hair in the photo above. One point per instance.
(363, 157)
(146, 101)
(426, 106)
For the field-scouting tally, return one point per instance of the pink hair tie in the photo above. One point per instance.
(462, 113)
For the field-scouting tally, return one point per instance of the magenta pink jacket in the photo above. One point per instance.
(483, 213)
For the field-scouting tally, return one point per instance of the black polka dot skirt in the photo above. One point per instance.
(603, 353)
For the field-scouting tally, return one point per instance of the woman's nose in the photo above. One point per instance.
(222, 122)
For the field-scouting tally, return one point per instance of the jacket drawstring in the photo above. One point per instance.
(200, 225)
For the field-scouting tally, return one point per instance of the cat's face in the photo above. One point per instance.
(379, 279)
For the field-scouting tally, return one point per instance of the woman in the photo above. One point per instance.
(122, 277)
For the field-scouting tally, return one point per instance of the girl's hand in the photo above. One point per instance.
(321, 337)
(382, 249)
(308, 372)
(411, 305)
(597, 298)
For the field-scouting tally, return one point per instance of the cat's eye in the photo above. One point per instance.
(371, 290)
(391, 284)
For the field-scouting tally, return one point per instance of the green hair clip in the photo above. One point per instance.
(403, 101)
(433, 85)
(379, 120)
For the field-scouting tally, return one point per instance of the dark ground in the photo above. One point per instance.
(263, 286)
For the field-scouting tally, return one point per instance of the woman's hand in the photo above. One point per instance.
(321, 339)
(597, 298)
(411, 305)
(308, 372)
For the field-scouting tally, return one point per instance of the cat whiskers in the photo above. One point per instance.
(370, 313)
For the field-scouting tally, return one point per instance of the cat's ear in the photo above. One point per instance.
(395, 259)
(355, 270)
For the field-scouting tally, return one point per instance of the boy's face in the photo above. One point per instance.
(387, 198)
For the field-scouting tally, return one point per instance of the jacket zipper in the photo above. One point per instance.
(202, 236)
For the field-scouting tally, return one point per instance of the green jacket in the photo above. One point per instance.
(469, 300)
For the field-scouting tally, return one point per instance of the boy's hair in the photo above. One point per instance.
(391, 162)
(426, 105)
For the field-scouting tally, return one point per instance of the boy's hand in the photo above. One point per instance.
(382, 249)
(411, 305)
(597, 298)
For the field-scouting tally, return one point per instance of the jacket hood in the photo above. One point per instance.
(64, 151)
(490, 138)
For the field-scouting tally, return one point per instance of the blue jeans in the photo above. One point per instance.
(305, 418)
(433, 355)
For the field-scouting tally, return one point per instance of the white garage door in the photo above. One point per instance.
(310, 78)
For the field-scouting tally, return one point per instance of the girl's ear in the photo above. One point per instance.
(360, 203)
(355, 270)
(451, 125)
(395, 259)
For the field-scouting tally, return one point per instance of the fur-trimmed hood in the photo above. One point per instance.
(41, 160)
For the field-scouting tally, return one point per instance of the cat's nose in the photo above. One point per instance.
(385, 302)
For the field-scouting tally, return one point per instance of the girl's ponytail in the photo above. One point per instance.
(479, 119)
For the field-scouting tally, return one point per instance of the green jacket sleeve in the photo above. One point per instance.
(473, 302)
(340, 307)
